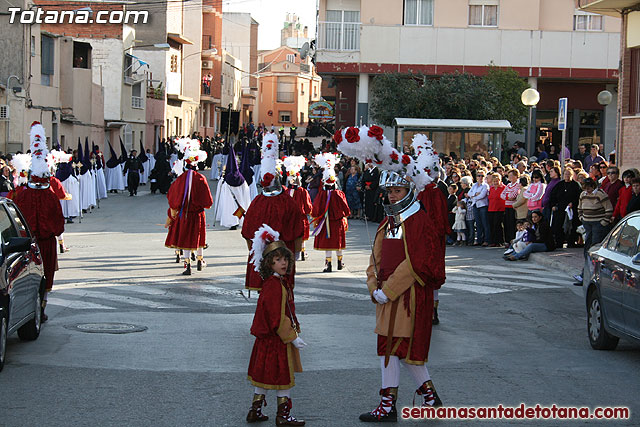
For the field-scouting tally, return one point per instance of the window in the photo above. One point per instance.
(302, 88)
(174, 63)
(207, 42)
(128, 68)
(301, 118)
(634, 82)
(286, 89)
(136, 96)
(33, 45)
(81, 55)
(418, 12)
(284, 116)
(628, 238)
(47, 60)
(291, 57)
(585, 21)
(483, 13)
(613, 239)
(18, 220)
(7, 230)
(341, 31)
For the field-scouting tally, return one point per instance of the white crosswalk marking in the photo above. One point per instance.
(77, 304)
(118, 298)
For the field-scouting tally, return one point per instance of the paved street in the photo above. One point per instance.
(509, 333)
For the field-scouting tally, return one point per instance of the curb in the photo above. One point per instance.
(554, 263)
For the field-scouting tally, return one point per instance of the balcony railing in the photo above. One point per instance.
(137, 102)
(339, 36)
(286, 96)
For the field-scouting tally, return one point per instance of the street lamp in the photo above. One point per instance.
(530, 97)
(604, 98)
(162, 46)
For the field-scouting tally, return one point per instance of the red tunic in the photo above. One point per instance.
(623, 200)
(43, 212)
(422, 246)
(273, 358)
(335, 237)
(56, 186)
(303, 201)
(280, 213)
(188, 228)
(14, 193)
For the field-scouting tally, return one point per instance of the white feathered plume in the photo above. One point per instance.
(268, 163)
(327, 161)
(261, 239)
(39, 151)
(22, 163)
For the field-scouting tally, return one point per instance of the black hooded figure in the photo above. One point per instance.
(134, 169)
(161, 174)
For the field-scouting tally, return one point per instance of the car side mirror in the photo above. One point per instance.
(16, 244)
(636, 259)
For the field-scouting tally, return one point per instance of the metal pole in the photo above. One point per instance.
(530, 137)
(562, 158)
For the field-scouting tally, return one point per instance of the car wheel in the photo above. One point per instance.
(599, 338)
(31, 330)
(4, 329)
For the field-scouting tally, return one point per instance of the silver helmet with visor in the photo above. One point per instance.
(390, 179)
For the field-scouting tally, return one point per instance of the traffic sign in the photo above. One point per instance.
(562, 113)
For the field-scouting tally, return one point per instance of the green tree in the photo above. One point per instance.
(495, 96)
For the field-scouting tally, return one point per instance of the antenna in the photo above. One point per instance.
(304, 50)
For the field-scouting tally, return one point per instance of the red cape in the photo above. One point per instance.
(435, 205)
(278, 212)
(303, 201)
(188, 229)
(56, 186)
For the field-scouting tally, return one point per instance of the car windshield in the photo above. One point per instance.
(7, 230)
(627, 242)
(17, 217)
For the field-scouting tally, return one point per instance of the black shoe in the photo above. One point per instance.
(177, 258)
(435, 320)
(391, 417)
(577, 283)
(327, 268)
(200, 265)
(187, 270)
(69, 221)
(340, 265)
(193, 256)
(235, 227)
(130, 194)
(302, 256)
(43, 317)
(61, 248)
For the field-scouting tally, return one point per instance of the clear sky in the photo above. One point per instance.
(271, 15)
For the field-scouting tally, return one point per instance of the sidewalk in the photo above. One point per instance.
(568, 261)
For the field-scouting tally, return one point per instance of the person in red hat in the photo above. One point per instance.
(330, 212)
(189, 196)
(41, 209)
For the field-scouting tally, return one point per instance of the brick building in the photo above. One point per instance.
(628, 136)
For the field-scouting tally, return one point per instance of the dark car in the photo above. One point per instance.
(612, 286)
(22, 282)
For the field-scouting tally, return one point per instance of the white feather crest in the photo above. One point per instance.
(60, 156)
(261, 239)
(327, 161)
(184, 144)
(293, 164)
(194, 155)
(270, 148)
(21, 162)
(178, 167)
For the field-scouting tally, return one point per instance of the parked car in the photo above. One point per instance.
(22, 282)
(611, 283)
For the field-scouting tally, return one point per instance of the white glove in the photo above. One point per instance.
(298, 343)
(380, 296)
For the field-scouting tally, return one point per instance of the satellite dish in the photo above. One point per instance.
(304, 50)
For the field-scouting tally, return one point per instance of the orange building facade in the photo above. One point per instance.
(287, 85)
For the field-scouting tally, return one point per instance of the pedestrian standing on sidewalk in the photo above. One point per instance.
(459, 224)
(535, 191)
(634, 203)
(564, 198)
(624, 196)
(275, 355)
(469, 220)
(479, 194)
(595, 212)
(509, 195)
(496, 210)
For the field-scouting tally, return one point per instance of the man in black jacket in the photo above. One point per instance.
(134, 168)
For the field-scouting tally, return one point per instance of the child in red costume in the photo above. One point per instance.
(188, 197)
(330, 212)
(275, 356)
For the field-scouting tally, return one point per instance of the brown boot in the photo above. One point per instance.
(255, 413)
(429, 395)
(386, 410)
(284, 417)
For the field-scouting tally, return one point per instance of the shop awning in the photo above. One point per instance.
(611, 7)
(453, 124)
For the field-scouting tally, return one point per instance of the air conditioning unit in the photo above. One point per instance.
(4, 112)
(207, 65)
